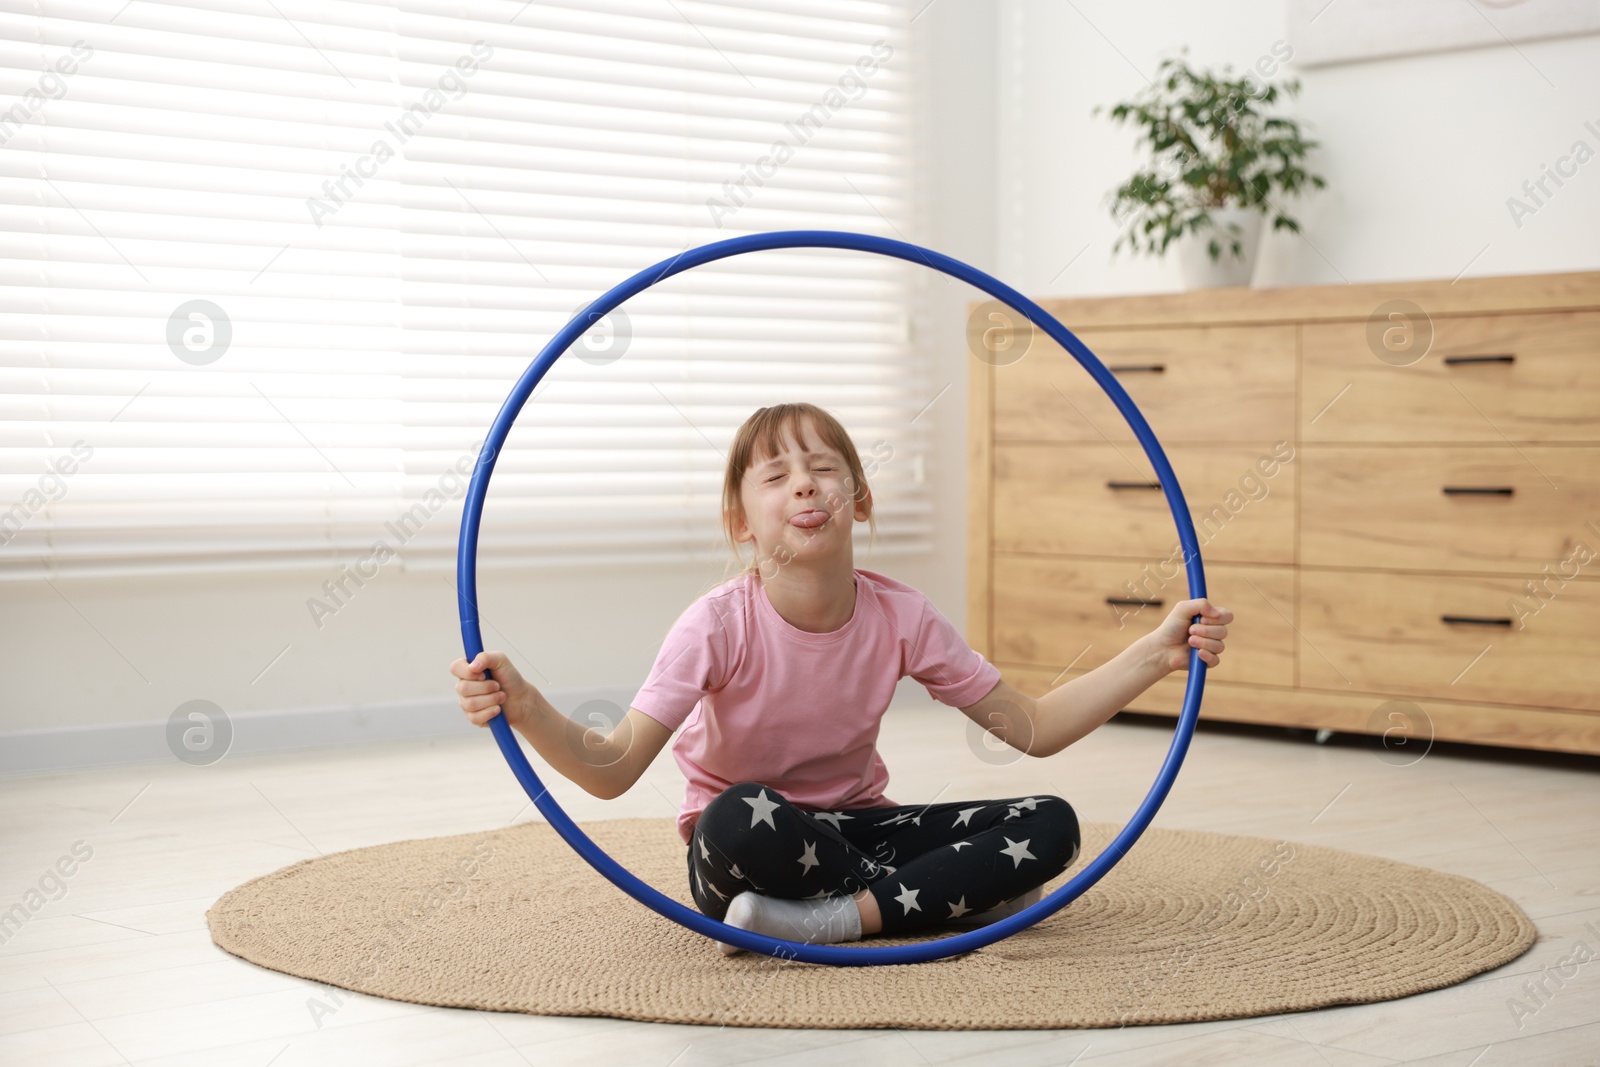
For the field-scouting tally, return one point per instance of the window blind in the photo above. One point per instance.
(271, 269)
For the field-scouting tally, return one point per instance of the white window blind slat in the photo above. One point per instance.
(394, 205)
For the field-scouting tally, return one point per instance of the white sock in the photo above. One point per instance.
(824, 921)
(1001, 911)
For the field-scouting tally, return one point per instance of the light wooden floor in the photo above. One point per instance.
(120, 969)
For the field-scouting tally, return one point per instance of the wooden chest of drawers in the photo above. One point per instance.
(1396, 487)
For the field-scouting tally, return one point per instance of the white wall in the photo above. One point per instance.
(88, 653)
(1420, 152)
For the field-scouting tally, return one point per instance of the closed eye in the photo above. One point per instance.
(777, 477)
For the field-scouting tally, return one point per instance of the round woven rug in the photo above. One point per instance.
(1189, 926)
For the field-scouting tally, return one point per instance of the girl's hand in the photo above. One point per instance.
(484, 698)
(1173, 639)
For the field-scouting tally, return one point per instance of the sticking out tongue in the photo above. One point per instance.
(809, 520)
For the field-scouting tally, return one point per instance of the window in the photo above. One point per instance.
(270, 276)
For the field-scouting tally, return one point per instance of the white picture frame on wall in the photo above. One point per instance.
(1329, 32)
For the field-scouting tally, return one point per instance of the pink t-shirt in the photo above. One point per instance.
(797, 711)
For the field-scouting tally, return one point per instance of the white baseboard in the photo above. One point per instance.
(255, 732)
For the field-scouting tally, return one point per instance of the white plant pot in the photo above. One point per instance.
(1200, 271)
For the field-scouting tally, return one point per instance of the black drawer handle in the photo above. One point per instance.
(1133, 600)
(1480, 490)
(1136, 368)
(1475, 620)
(1480, 359)
(1133, 485)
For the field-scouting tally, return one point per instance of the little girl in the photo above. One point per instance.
(780, 678)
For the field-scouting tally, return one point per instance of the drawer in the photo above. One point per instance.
(1199, 384)
(1486, 379)
(1414, 635)
(1416, 507)
(1056, 613)
(1482, 724)
(1104, 500)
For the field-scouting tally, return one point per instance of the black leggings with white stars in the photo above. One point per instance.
(924, 864)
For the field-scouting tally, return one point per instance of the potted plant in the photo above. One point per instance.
(1216, 162)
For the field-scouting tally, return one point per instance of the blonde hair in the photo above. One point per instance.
(760, 437)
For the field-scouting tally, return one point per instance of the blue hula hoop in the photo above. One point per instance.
(472, 638)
